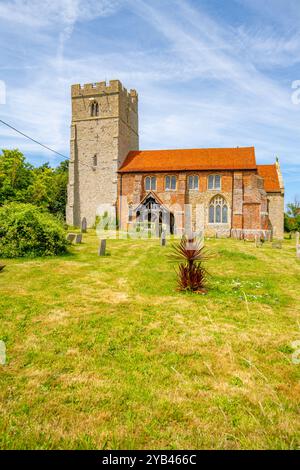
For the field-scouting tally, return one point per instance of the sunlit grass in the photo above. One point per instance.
(105, 353)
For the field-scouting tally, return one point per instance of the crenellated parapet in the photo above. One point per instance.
(94, 90)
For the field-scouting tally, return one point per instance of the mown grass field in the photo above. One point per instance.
(104, 353)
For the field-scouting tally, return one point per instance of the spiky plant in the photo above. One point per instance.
(2, 266)
(192, 275)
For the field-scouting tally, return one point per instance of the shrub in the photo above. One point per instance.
(26, 230)
(192, 275)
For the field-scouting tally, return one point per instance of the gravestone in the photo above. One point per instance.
(78, 238)
(71, 237)
(297, 245)
(83, 225)
(163, 240)
(102, 247)
(277, 245)
(258, 242)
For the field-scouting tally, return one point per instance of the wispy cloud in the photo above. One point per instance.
(203, 79)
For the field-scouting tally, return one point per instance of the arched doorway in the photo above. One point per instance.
(152, 212)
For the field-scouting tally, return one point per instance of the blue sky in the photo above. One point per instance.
(209, 73)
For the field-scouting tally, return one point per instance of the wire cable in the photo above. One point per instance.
(42, 145)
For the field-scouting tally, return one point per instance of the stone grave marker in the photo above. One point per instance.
(71, 237)
(258, 242)
(102, 247)
(83, 225)
(78, 238)
(297, 245)
(163, 240)
(277, 244)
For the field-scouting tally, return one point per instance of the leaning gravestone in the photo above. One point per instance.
(78, 238)
(71, 237)
(83, 225)
(102, 247)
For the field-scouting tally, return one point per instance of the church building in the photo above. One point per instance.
(222, 191)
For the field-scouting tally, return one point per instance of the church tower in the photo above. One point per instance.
(104, 129)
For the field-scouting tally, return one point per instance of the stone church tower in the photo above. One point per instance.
(104, 129)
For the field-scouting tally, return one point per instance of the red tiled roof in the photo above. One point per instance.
(238, 158)
(270, 176)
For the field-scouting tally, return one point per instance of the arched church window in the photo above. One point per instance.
(214, 182)
(193, 182)
(150, 183)
(218, 211)
(170, 183)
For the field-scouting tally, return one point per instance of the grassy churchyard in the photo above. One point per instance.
(103, 352)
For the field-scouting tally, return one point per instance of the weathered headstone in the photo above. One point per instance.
(277, 244)
(78, 238)
(258, 242)
(163, 240)
(297, 245)
(102, 247)
(83, 225)
(71, 237)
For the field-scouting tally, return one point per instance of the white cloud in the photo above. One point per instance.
(203, 83)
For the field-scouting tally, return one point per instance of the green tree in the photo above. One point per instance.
(292, 217)
(42, 186)
(15, 176)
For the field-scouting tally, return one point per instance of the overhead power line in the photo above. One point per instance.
(39, 143)
(33, 140)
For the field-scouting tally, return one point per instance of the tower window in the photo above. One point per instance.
(150, 183)
(170, 183)
(214, 182)
(94, 109)
(218, 211)
(95, 160)
(193, 182)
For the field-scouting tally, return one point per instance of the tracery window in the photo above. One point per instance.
(218, 211)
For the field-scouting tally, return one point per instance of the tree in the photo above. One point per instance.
(15, 176)
(42, 186)
(292, 217)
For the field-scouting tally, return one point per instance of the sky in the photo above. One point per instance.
(209, 73)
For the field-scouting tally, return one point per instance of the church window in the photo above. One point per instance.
(170, 183)
(214, 182)
(150, 183)
(193, 182)
(218, 211)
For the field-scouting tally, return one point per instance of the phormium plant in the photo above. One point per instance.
(192, 275)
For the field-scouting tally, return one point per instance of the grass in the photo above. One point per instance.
(104, 353)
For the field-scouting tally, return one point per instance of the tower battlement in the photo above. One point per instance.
(102, 88)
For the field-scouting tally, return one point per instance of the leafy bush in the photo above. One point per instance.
(26, 230)
(192, 275)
